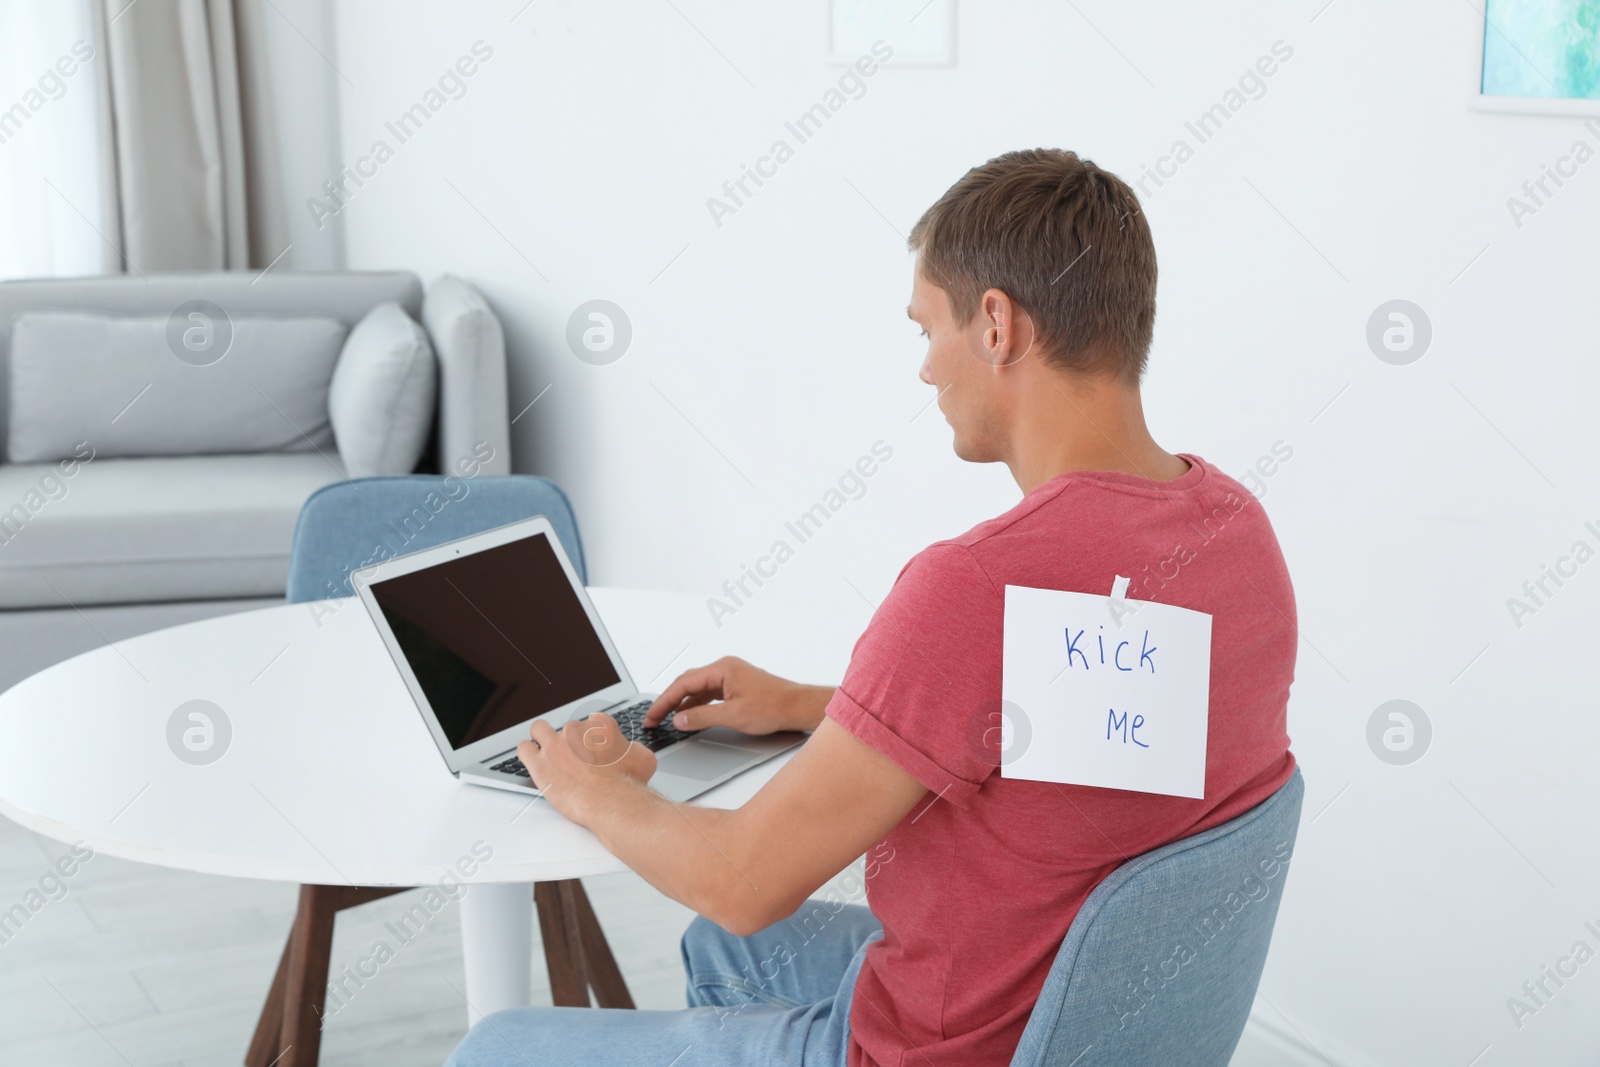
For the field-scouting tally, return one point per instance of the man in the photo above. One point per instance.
(1035, 286)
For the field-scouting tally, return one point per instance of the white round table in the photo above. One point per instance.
(323, 774)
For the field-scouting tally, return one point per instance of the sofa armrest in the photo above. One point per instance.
(474, 417)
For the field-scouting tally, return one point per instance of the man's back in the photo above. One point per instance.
(976, 888)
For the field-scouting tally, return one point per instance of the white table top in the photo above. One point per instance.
(329, 777)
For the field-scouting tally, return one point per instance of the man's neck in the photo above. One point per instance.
(1082, 425)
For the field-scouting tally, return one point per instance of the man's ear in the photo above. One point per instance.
(1008, 331)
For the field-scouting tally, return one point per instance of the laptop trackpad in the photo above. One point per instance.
(703, 760)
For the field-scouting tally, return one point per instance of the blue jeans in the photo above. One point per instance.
(781, 996)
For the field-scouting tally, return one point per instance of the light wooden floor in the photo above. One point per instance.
(140, 966)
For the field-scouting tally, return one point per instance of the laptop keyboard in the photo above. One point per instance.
(631, 720)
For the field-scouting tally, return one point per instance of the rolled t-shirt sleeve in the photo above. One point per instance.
(920, 684)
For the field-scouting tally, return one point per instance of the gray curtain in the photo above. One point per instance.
(189, 154)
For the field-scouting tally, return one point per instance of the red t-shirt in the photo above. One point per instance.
(984, 876)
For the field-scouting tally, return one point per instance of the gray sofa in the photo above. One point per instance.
(126, 544)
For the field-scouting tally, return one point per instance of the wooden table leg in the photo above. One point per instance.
(576, 953)
(563, 943)
(289, 1031)
(610, 991)
(269, 1028)
(310, 945)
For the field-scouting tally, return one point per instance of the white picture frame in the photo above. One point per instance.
(1478, 100)
(921, 32)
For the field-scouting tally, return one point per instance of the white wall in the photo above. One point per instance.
(304, 83)
(773, 351)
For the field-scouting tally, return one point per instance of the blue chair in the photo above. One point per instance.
(1161, 964)
(346, 526)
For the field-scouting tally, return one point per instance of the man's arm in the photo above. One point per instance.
(743, 869)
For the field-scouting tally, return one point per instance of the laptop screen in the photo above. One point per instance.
(495, 638)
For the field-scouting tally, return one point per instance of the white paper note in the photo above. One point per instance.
(1104, 691)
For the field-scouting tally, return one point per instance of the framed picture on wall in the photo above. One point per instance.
(920, 33)
(1539, 56)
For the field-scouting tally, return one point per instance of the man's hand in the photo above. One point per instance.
(749, 700)
(588, 755)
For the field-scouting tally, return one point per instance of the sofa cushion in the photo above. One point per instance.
(92, 530)
(474, 420)
(381, 399)
(190, 384)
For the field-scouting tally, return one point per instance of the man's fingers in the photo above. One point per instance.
(701, 684)
(692, 681)
(721, 713)
(533, 751)
(694, 700)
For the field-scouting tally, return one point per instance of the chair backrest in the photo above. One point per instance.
(1162, 961)
(353, 524)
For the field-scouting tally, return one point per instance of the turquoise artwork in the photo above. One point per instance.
(1542, 48)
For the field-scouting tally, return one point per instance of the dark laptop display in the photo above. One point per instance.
(495, 638)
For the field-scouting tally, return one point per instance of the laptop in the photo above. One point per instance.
(495, 630)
